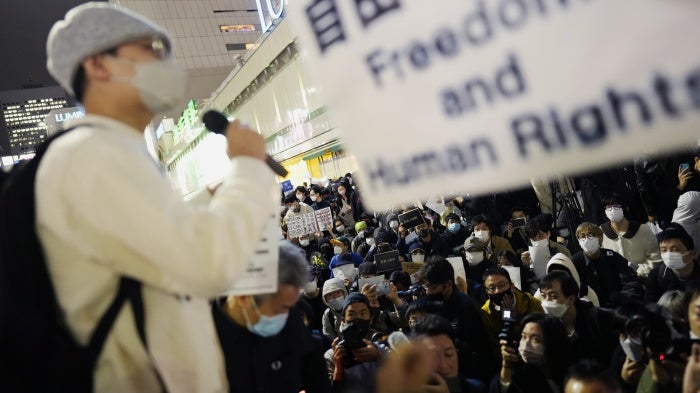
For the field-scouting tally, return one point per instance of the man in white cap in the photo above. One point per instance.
(105, 211)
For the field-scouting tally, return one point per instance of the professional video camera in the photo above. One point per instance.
(414, 292)
(351, 338)
(658, 336)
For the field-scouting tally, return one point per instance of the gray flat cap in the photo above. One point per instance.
(90, 29)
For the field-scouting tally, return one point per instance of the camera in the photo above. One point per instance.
(509, 318)
(414, 292)
(518, 222)
(351, 338)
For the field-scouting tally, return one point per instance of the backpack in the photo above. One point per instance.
(38, 352)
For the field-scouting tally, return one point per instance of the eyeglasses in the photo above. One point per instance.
(615, 206)
(589, 237)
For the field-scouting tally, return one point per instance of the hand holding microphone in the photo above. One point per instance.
(242, 141)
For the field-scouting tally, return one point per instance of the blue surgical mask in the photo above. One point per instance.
(454, 227)
(266, 326)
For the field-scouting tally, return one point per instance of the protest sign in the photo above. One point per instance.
(260, 276)
(436, 204)
(324, 219)
(500, 91)
(411, 219)
(387, 261)
(371, 281)
(411, 267)
(514, 273)
(458, 266)
(304, 224)
(539, 256)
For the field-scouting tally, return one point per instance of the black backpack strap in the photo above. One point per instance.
(130, 290)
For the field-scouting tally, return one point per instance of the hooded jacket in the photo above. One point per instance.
(561, 262)
(331, 318)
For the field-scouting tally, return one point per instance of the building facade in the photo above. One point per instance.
(211, 36)
(22, 120)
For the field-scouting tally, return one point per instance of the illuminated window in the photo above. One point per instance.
(236, 28)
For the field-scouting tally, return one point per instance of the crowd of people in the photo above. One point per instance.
(552, 299)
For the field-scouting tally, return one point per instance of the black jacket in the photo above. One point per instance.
(455, 240)
(525, 379)
(663, 279)
(606, 276)
(288, 362)
(595, 336)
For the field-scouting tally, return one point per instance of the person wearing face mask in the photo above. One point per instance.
(392, 228)
(482, 229)
(345, 270)
(334, 293)
(475, 254)
(436, 334)
(97, 185)
(680, 266)
(503, 295)
(437, 277)
(455, 234)
(341, 246)
(363, 233)
(313, 297)
(361, 375)
(349, 210)
(631, 239)
(538, 231)
(516, 236)
(428, 240)
(602, 270)
(316, 197)
(254, 333)
(563, 263)
(530, 282)
(538, 361)
(302, 195)
(295, 207)
(307, 243)
(591, 330)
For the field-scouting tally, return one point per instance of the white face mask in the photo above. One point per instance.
(370, 241)
(474, 258)
(310, 286)
(337, 250)
(303, 242)
(589, 245)
(160, 83)
(530, 354)
(484, 236)
(340, 228)
(674, 260)
(361, 234)
(393, 224)
(564, 232)
(300, 197)
(555, 309)
(540, 243)
(417, 257)
(614, 214)
(336, 304)
(345, 272)
(633, 349)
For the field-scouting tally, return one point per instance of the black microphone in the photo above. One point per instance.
(216, 122)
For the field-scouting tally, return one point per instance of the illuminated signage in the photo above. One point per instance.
(63, 117)
(270, 13)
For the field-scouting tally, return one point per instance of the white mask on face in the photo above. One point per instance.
(361, 234)
(160, 83)
(484, 236)
(310, 286)
(393, 224)
(340, 228)
(369, 241)
(345, 272)
(555, 309)
(674, 260)
(300, 197)
(337, 250)
(530, 354)
(474, 258)
(540, 243)
(633, 349)
(615, 214)
(417, 257)
(336, 304)
(590, 245)
(303, 242)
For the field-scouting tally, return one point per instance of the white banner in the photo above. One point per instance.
(484, 95)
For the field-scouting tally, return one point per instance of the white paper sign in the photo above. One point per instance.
(260, 276)
(514, 273)
(324, 219)
(486, 94)
(458, 267)
(436, 204)
(539, 256)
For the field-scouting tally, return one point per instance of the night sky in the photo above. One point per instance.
(24, 27)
